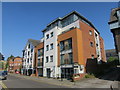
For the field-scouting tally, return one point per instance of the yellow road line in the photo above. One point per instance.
(3, 86)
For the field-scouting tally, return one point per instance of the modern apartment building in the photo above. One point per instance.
(39, 58)
(29, 57)
(111, 53)
(114, 23)
(15, 64)
(67, 44)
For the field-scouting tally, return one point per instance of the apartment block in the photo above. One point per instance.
(114, 23)
(15, 64)
(67, 44)
(29, 57)
(39, 58)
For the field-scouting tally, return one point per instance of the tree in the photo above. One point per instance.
(7, 63)
(111, 59)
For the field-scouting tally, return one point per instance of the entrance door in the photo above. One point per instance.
(48, 72)
(40, 72)
(67, 73)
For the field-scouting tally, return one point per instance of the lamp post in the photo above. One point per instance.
(73, 72)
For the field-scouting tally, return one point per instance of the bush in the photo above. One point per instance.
(89, 76)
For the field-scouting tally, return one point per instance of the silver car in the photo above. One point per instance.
(3, 75)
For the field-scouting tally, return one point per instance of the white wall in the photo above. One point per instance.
(56, 31)
(97, 40)
(26, 64)
(51, 65)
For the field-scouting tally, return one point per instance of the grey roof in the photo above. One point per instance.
(73, 12)
(34, 42)
(110, 50)
(1, 57)
(113, 16)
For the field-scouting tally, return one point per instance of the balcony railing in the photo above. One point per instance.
(66, 61)
(40, 64)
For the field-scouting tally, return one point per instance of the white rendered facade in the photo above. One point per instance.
(28, 58)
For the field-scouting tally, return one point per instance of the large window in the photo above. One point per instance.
(40, 52)
(66, 58)
(68, 21)
(66, 45)
(40, 62)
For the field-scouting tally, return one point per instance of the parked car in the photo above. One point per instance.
(3, 75)
(17, 72)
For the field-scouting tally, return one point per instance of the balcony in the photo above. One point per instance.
(40, 64)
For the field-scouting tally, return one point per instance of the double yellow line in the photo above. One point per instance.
(3, 86)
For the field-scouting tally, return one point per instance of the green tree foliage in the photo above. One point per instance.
(111, 59)
(7, 63)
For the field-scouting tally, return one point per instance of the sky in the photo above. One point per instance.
(24, 20)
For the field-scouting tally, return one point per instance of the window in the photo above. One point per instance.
(51, 46)
(47, 47)
(66, 58)
(68, 21)
(91, 44)
(29, 46)
(97, 44)
(66, 45)
(96, 35)
(28, 53)
(28, 60)
(51, 58)
(92, 56)
(40, 52)
(61, 46)
(47, 59)
(51, 34)
(32, 50)
(90, 32)
(47, 36)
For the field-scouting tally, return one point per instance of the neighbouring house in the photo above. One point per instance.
(1, 57)
(39, 58)
(2, 62)
(15, 64)
(29, 57)
(67, 44)
(2, 65)
(114, 23)
(111, 53)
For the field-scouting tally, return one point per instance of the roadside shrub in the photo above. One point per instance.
(89, 76)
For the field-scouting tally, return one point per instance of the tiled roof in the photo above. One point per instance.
(34, 42)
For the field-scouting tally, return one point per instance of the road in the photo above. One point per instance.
(17, 82)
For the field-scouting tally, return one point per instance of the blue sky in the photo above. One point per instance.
(22, 21)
